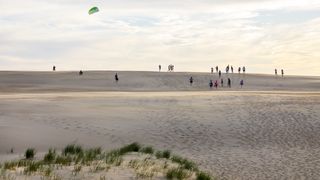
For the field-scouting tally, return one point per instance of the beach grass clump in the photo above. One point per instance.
(147, 150)
(72, 149)
(185, 163)
(29, 154)
(133, 147)
(63, 160)
(10, 165)
(114, 157)
(50, 156)
(32, 167)
(177, 173)
(163, 154)
(203, 176)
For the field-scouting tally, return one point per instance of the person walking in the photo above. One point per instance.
(276, 72)
(221, 82)
(239, 70)
(159, 67)
(191, 80)
(219, 74)
(241, 83)
(54, 68)
(116, 77)
(216, 84)
(210, 84)
(211, 70)
(282, 72)
(229, 82)
(244, 69)
(80, 73)
(232, 69)
(217, 68)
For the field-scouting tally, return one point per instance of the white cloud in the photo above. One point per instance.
(138, 35)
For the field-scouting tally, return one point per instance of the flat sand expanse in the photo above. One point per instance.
(237, 134)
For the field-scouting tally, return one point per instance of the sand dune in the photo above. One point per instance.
(270, 129)
(145, 81)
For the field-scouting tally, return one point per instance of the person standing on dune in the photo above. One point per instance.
(229, 82)
(191, 80)
(232, 69)
(276, 72)
(244, 69)
(116, 77)
(282, 72)
(211, 70)
(54, 68)
(239, 70)
(210, 84)
(221, 82)
(159, 67)
(241, 83)
(219, 74)
(217, 68)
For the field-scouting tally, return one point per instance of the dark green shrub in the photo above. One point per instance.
(29, 154)
(177, 173)
(72, 149)
(203, 176)
(50, 156)
(147, 150)
(134, 147)
(185, 163)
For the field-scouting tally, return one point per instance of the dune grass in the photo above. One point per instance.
(76, 157)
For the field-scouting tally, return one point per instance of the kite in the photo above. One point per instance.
(93, 10)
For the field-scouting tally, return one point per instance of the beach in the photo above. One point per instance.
(268, 129)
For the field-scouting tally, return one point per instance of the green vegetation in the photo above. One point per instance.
(79, 159)
(29, 154)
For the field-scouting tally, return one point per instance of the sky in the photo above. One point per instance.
(194, 35)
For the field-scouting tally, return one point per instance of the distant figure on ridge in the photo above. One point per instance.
(244, 69)
(219, 74)
(210, 83)
(211, 70)
(229, 82)
(276, 72)
(239, 70)
(282, 72)
(216, 84)
(191, 80)
(159, 67)
(221, 82)
(217, 68)
(116, 77)
(54, 68)
(170, 68)
(232, 69)
(241, 83)
(80, 73)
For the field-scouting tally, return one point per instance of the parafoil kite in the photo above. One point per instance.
(93, 10)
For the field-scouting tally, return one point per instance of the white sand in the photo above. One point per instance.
(270, 129)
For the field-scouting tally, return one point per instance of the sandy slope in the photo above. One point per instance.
(234, 134)
(144, 81)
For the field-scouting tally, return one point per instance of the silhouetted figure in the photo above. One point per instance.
(229, 82)
(219, 74)
(231, 69)
(221, 82)
(54, 68)
(244, 69)
(227, 69)
(216, 84)
(282, 72)
(159, 67)
(80, 72)
(241, 83)
(239, 70)
(191, 80)
(210, 83)
(276, 72)
(211, 70)
(116, 77)
(217, 68)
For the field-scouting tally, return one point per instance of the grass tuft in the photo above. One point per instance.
(177, 173)
(147, 150)
(185, 163)
(50, 156)
(203, 176)
(29, 154)
(163, 154)
(72, 149)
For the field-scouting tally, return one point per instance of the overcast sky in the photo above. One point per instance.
(194, 35)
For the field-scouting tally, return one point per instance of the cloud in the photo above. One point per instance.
(139, 35)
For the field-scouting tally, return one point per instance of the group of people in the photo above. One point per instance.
(228, 69)
(170, 68)
(216, 83)
(276, 72)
